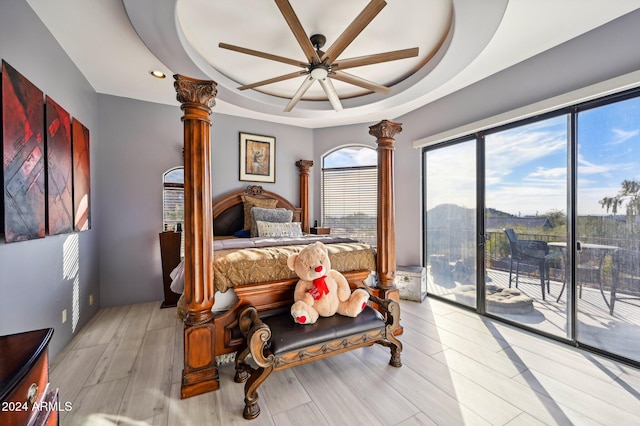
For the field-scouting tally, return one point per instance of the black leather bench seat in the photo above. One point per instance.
(287, 336)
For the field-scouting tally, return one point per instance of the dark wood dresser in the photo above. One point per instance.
(25, 395)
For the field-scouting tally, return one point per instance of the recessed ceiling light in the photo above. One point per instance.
(158, 74)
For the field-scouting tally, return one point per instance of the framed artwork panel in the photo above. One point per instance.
(81, 176)
(257, 158)
(59, 167)
(23, 153)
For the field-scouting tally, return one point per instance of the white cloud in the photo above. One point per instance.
(352, 156)
(606, 170)
(621, 136)
(557, 172)
(512, 149)
(528, 199)
(451, 176)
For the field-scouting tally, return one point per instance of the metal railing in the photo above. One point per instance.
(448, 246)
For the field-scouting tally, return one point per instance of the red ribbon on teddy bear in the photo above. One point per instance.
(319, 288)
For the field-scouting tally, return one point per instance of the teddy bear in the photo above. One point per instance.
(321, 291)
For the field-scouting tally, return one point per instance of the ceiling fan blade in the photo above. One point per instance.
(262, 54)
(361, 82)
(273, 80)
(343, 64)
(328, 88)
(299, 94)
(354, 28)
(297, 29)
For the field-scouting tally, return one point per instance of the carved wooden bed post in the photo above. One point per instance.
(386, 251)
(200, 372)
(304, 166)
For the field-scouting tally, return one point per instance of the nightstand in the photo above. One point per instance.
(320, 231)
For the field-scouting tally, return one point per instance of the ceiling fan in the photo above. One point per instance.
(324, 66)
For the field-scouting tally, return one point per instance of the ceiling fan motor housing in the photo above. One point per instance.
(318, 40)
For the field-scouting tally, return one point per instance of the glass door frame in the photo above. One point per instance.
(425, 249)
(575, 111)
(481, 270)
(481, 294)
(572, 112)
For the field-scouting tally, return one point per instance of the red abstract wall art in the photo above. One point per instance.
(23, 157)
(59, 166)
(81, 176)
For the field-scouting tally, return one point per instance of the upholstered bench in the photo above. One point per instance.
(276, 342)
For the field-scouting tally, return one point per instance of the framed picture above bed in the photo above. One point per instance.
(257, 158)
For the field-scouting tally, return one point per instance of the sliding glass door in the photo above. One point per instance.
(550, 210)
(525, 223)
(608, 229)
(450, 222)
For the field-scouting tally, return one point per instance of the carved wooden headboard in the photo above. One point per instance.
(228, 209)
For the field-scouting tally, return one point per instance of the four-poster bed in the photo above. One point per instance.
(206, 336)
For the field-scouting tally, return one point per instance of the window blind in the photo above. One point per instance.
(350, 200)
(173, 209)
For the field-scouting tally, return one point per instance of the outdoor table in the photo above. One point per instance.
(602, 249)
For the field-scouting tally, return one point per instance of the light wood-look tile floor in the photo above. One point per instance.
(125, 367)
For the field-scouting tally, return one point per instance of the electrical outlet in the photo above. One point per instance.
(64, 316)
(90, 299)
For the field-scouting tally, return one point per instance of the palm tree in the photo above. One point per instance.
(630, 192)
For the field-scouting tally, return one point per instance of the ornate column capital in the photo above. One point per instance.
(194, 93)
(385, 129)
(304, 166)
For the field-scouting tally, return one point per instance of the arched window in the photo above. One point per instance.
(173, 201)
(350, 192)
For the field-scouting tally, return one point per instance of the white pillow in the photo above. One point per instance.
(268, 215)
(279, 229)
(177, 278)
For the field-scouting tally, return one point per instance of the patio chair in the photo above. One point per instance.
(626, 270)
(530, 252)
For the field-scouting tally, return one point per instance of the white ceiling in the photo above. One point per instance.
(425, 24)
(116, 43)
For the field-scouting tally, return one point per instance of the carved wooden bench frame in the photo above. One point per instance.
(258, 336)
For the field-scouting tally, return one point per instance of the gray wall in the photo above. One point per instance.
(604, 53)
(292, 144)
(143, 140)
(33, 288)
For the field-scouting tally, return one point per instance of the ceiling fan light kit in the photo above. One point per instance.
(319, 73)
(324, 66)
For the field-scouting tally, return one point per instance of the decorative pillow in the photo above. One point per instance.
(250, 202)
(269, 215)
(276, 229)
(243, 233)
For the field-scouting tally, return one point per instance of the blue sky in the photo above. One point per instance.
(351, 156)
(526, 167)
(608, 153)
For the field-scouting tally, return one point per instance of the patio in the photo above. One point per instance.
(618, 333)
